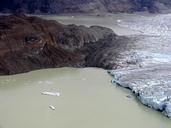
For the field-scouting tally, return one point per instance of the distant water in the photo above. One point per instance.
(87, 100)
(110, 21)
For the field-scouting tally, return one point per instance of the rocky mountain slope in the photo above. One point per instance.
(83, 6)
(28, 43)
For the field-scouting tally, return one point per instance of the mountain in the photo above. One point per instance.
(83, 6)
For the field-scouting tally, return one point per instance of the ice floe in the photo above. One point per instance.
(40, 82)
(51, 93)
(52, 107)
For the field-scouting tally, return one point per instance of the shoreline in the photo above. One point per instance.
(163, 107)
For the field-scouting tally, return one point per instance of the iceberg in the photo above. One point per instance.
(52, 107)
(51, 93)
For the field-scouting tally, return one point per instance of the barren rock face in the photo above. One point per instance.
(28, 43)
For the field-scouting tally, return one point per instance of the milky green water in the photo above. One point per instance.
(88, 100)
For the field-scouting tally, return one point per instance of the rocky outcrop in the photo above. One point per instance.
(83, 6)
(28, 43)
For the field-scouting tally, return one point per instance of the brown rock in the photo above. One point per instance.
(29, 43)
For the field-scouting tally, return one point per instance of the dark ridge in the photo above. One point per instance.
(83, 6)
(29, 43)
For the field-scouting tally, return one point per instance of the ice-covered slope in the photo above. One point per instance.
(146, 65)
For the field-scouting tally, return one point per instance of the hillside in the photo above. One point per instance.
(29, 43)
(86, 6)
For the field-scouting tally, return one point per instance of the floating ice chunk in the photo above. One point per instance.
(51, 93)
(40, 82)
(128, 96)
(84, 79)
(119, 20)
(52, 107)
(49, 82)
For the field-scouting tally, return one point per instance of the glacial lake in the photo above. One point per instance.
(87, 99)
(149, 53)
